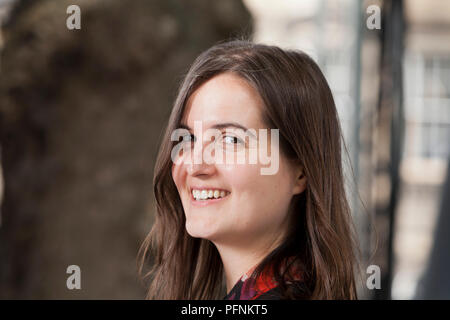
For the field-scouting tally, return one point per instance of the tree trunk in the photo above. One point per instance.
(81, 116)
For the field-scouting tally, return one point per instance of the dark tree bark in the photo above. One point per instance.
(81, 116)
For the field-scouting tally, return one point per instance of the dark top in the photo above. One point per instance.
(265, 287)
(272, 294)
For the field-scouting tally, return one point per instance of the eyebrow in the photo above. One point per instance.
(223, 125)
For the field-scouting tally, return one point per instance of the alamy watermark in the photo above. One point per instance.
(236, 146)
(74, 280)
(74, 20)
(374, 20)
(374, 280)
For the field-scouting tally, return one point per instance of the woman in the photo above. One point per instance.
(280, 234)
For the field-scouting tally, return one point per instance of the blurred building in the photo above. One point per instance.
(333, 33)
(427, 139)
(398, 134)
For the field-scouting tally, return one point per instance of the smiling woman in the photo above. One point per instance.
(283, 235)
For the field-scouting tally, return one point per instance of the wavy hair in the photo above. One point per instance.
(297, 101)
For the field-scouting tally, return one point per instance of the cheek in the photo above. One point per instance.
(248, 180)
(174, 174)
(257, 195)
(242, 178)
(177, 173)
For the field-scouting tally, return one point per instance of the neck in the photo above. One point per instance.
(237, 259)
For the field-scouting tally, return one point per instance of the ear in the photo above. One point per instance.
(300, 181)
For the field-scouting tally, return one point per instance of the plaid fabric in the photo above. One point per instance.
(250, 288)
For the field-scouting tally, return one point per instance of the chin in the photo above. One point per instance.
(197, 230)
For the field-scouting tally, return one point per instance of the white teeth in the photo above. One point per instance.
(208, 194)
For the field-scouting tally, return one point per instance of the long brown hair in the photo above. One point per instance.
(298, 102)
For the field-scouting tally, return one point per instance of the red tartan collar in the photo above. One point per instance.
(250, 287)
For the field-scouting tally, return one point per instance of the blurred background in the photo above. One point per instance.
(82, 112)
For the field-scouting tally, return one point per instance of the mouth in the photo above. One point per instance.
(204, 196)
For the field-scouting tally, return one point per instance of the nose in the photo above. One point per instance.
(202, 169)
(198, 166)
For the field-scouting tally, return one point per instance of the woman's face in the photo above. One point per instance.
(243, 205)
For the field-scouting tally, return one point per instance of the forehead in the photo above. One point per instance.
(225, 98)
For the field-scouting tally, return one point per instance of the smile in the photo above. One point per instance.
(208, 194)
(206, 197)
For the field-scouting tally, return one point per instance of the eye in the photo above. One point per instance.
(189, 138)
(231, 140)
